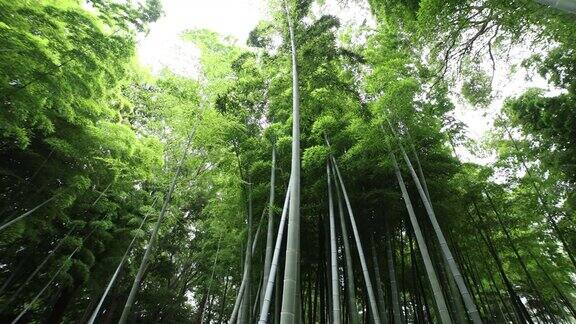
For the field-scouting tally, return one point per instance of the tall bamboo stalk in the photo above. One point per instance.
(350, 284)
(520, 259)
(274, 263)
(333, 253)
(468, 301)
(245, 313)
(148, 252)
(49, 256)
(240, 295)
(116, 273)
(368, 282)
(211, 278)
(541, 199)
(378, 282)
(292, 265)
(432, 277)
(46, 286)
(270, 231)
(28, 213)
(519, 307)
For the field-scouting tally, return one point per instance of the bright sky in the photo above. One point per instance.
(162, 47)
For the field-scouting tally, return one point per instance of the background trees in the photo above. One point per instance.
(91, 146)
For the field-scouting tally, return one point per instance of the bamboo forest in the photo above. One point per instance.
(341, 161)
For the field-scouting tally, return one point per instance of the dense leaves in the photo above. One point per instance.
(91, 147)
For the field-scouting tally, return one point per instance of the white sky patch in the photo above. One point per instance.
(163, 47)
(480, 121)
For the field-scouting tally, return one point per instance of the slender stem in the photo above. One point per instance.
(292, 265)
(432, 277)
(48, 284)
(28, 213)
(351, 285)
(333, 253)
(274, 263)
(270, 231)
(468, 301)
(368, 282)
(211, 277)
(148, 252)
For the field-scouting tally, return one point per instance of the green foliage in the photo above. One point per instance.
(82, 123)
(477, 89)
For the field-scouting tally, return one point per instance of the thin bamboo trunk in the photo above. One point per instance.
(520, 259)
(402, 291)
(50, 254)
(455, 297)
(395, 296)
(148, 252)
(33, 274)
(432, 277)
(245, 313)
(325, 235)
(240, 295)
(223, 300)
(378, 282)
(13, 275)
(270, 230)
(563, 297)
(117, 272)
(263, 318)
(48, 284)
(256, 305)
(350, 283)
(333, 253)
(291, 267)
(468, 301)
(368, 282)
(28, 213)
(519, 307)
(211, 277)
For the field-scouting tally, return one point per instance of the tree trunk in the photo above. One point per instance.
(200, 314)
(540, 197)
(470, 305)
(370, 291)
(153, 236)
(28, 213)
(13, 275)
(109, 314)
(529, 277)
(223, 301)
(263, 318)
(116, 273)
(245, 311)
(46, 286)
(291, 267)
(333, 253)
(432, 277)
(397, 314)
(521, 310)
(212, 278)
(270, 230)
(378, 282)
(350, 283)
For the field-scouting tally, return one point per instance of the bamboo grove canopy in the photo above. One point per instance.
(320, 173)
